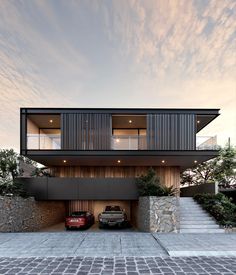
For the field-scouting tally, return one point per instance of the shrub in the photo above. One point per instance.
(219, 206)
(149, 185)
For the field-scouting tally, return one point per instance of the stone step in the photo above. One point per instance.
(198, 230)
(197, 226)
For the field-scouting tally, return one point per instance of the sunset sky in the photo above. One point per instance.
(118, 53)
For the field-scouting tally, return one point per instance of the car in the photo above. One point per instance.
(113, 215)
(79, 219)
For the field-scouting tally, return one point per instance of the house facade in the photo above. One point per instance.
(94, 155)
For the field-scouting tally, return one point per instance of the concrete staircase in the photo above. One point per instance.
(193, 219)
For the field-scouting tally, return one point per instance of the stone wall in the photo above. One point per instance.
(158, 214)
(20, 215)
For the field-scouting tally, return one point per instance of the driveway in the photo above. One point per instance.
(113, 244)
(113, 253)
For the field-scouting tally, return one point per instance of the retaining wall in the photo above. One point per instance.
(25, 214)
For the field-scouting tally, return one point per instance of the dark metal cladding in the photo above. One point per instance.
(47, 188)
(171, 131)
(86, 131)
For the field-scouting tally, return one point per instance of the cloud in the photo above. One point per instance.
(153, 53)
(172, 36)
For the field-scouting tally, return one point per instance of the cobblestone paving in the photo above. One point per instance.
(119, 265)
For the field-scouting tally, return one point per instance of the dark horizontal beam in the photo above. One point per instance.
(53, 188)
(132, 111)
(104, 153)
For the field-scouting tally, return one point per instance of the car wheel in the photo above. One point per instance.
(67, 228)
(101, 226)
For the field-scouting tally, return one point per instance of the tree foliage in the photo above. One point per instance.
(10, 170)
(221, 169)
(149, 185)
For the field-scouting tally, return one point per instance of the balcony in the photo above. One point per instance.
(44, 141)
(206, 143)
(128, 142)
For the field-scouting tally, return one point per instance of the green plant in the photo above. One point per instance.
(149, 185)
(219, 206)
(9, 171)
(40, 172)
(221, 169)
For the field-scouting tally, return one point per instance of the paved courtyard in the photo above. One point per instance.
(110, 253)
(111, 244)
(119, 265)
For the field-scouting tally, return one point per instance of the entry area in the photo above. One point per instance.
(96, 207)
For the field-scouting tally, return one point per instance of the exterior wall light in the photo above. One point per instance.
(64, 160)
(51, 121)
(118, 161)
(163, 161)
(130, 121)
(195, 161)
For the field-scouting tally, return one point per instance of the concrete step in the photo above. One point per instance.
(197, 226)
(185, 222)
(194, 221)
(198, 230)
(184, 213)
(188, 207)
(194, 216)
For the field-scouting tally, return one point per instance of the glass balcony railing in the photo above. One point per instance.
(43, 141)
(132, 142)
(206, 143)
(118, 142)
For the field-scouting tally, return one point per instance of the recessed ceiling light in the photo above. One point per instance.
(64, 160)
(163, 161)
(198, 121)
(51, 121)
(130, 121)
(195, 161)
(119, 161)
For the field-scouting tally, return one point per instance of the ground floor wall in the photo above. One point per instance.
(169, 175)
(158, 214)
(25, 214)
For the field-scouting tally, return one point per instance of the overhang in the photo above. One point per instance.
(183, 159)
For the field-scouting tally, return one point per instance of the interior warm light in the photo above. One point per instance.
(64, 160)
(198, 121)
(51, 121)
(163, 161)
(195, 161)
(130, 121)
(117, 140)
(118, 161)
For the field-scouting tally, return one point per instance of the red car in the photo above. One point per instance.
(79, 219)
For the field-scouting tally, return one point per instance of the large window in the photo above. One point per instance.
(43, 132)
(129, 132)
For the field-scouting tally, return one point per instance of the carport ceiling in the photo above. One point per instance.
(171, 159)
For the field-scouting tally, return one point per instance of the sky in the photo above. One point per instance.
(121, 53)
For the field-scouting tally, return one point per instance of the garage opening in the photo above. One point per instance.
(98, 206)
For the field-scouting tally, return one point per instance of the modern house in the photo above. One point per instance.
(94, 155)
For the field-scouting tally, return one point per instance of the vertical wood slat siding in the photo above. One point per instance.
(86, 131)
(171, 131)
(169, 175)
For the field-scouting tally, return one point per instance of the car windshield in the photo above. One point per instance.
(78, 213)
(112, 208)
